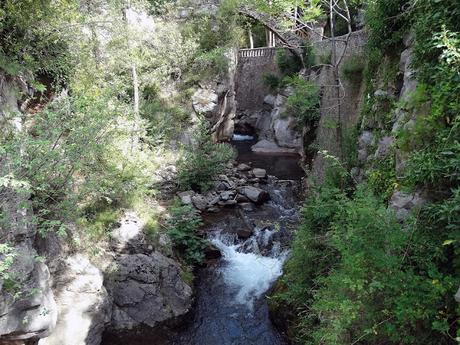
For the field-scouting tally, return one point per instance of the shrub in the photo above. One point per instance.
(288, 63)
(202, 161)
(182, 229)
(272, 81)
(304, 102)
(352, 69)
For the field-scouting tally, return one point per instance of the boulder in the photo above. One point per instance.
(243, 167)
(146, 290)
(254, 194)
(259, 173)
(244, 233)
(285, 133)
(384, 147)
(403, 203)
(224, 196)
(84, 307)
(186, 197)
(129, 235)
(205, 101)
(365, 139)
(199, 201)
(265, 146)
(270, 100)
(211, 252)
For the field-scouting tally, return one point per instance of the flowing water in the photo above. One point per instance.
(231, 307)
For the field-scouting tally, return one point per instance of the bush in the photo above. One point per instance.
(352, 69)
(304, 102)
(288, 63)
(272, 81)
(202, 161)
(182, 229)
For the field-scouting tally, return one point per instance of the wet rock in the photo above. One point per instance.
(146, 290)
(211, 252)
(243, 167)
(230, 202)
(254, 194)
(403, 203)
(199, 201)
(84, 307)
(244, 233)
(247, 206)
(241, 198)
(259, 173)
(186, 197)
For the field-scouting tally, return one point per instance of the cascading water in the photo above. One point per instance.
(250, 273)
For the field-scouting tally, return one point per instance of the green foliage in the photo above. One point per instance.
(288, 63)
(203, 160)
(382, 177)
(7, 277)
(182, 229)
(304, 102)
(356, 275)
(272, 81)
(353, 68)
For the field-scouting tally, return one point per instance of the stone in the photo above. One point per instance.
(205, 101)
(270, 100)
(259, 173)
(243, 167)
(362, 156)
(409, 81)
(254, 194)
(285, 133)
(403, 203)
(211, 252)
(457, 295)
(128, 235)
(241, 198)
(384, 147)
(186, 197)
(365, 139)
(199, 201)
(84, 307)
(227, 195)
(244, 233)
(265, 146)
(228, 203)
(146, 290)
(247, 206)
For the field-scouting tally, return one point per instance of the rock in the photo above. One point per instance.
(228, 203)
(186, 197)
(270, 100)
(211, 252)
(409, 81)
(129, 235)
(84, 306)
(247, 206)
(365, 139)
(285, 133)
(382, 94)
(254, 194)
(241, 198)
(362, 156)
(457, 295)
(205, 101)
(146, 290)
(403, 203)
(243, 167)
(227, 195)
(265, 146)
(384, 147)
(259, 173)
(244, 233)
(199, 201)
(27, 311)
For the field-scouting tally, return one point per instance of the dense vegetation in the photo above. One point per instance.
(357, 275)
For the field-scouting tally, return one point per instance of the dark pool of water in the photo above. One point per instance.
(285, 166)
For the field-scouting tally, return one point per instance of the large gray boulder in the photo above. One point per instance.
(254, 194)
(27, 307)
(205, 101)
(403, 203)
(84, 307)
(146, 290)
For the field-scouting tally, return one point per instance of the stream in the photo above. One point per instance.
(231, 307)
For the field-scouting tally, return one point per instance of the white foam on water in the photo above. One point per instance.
(241, 137)
(252, 274)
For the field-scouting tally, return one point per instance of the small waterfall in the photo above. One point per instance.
(245, 269)
(242, 137)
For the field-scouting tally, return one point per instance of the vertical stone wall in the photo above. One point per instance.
(340, 111)
(249, 82)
